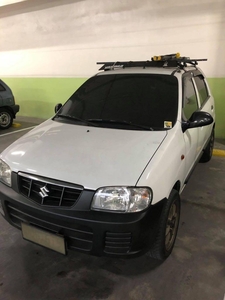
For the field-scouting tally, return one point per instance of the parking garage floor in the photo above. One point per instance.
(195, 270)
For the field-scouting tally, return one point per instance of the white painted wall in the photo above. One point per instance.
(66, 38)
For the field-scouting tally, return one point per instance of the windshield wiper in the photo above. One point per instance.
(121, 123)
(69, 117)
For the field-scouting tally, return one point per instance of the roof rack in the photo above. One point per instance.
(180, 62)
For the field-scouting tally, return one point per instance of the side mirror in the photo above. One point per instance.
(198, 119)
(57, 107)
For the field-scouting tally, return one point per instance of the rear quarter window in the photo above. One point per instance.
(2, 88)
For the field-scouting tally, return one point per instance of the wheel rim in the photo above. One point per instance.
(172, 225)
(4, 119)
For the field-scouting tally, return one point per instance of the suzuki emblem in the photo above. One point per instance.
(44, 192)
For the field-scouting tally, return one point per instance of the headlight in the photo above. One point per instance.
(5, 173)
(122, 199)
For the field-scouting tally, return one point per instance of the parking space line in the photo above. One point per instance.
(4, 134)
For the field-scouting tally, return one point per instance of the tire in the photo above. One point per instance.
(167, 228)
(207, 154)
(6, 118)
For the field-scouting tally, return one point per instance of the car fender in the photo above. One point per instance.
(167, 166)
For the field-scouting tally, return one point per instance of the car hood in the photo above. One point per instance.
(89, 156)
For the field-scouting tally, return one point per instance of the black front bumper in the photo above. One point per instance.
(93, 232)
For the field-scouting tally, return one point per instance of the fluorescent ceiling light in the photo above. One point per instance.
(7, 2)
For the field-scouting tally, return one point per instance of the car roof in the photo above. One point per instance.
(138, 70)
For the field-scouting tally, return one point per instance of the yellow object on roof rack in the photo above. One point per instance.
(166, 57)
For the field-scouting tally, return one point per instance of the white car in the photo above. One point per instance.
(104, 175)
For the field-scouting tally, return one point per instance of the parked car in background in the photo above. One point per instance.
(8, 108)
(105, 174)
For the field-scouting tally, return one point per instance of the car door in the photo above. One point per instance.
(191, 135)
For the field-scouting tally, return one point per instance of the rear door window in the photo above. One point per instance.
(190, 102)
(202, 89)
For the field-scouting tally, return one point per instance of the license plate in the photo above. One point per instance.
(43, 238)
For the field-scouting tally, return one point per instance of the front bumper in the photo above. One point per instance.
(93, 232)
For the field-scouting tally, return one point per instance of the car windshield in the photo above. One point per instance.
(128, 101)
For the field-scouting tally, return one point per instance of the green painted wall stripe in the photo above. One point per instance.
(37, 97)
(217, 86)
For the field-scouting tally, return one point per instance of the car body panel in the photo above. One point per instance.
(6, 95)
(74, 153)
(8, 108)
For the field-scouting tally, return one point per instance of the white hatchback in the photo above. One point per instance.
(104, 175)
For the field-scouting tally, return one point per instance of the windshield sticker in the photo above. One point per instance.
(167, 124)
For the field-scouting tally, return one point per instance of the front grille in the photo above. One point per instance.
(77, 236)
(48, 193)
(117, 243)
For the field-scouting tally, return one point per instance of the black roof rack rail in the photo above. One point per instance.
(174, 62)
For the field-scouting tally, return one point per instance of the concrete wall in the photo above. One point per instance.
(48, 47)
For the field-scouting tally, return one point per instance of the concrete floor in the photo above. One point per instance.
(195, 270)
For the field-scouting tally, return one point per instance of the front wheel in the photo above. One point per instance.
(167, 228)
(6, 118)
